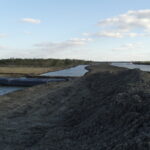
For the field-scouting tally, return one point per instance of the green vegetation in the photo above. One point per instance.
(41, 62)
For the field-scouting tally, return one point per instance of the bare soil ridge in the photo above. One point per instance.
(100, 111)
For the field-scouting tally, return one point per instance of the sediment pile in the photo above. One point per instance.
(101, 111)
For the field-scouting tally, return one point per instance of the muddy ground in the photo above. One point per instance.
(108, 109)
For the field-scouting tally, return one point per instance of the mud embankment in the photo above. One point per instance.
(101, 111)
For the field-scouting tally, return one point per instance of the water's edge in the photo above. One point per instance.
(132, 66)
(76, 71)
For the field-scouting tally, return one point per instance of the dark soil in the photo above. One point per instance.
(102, 111)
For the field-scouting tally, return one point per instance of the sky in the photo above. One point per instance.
(100, 30)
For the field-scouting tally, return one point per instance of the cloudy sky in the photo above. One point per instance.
(102, 30)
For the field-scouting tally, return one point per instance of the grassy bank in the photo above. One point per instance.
(21, 71)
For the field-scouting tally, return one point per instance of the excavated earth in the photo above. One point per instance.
(100, 111)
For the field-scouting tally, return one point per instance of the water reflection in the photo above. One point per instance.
(4, 90)
(132, 66)
(74, 71)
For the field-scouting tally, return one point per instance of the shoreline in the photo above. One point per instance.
(19, 82)
(36, 71)
(102, 67)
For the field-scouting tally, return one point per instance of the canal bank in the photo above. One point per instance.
(13, 84)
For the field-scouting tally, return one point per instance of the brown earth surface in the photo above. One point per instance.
(107, 109)
(14, 71)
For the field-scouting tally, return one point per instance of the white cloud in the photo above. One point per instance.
(27, 32)
(2, 47)
(131, 24)
(64, 45)
(117, 34)
(110, 34)
(130, 46)
(31, 20)
(48, 49)
(129, 20)
(3, 35)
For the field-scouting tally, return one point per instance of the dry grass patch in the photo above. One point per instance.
(27, 70)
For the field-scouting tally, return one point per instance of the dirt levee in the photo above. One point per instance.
(101, 111)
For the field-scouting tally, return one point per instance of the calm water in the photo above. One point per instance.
(132, 66)
(74, 71)
(4, 90)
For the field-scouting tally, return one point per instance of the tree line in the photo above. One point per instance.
(41, 62)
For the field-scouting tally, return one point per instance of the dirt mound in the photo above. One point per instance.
(103, 111)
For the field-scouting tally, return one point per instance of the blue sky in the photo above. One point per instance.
(101, 30)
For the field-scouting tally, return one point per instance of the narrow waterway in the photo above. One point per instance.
(132, 66)
(71, 72)
(4, 90)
